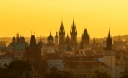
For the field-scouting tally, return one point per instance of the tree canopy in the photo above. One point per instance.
(54, 73)
(16, 69)
(101, 74)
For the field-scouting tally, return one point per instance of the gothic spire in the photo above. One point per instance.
(73, 30)
(109, 41)
(61, 31)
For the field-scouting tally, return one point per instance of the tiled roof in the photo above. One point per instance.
(84, 58)
(86, 64)
(103, 64)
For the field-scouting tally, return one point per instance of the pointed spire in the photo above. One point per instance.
(109, 33)
(56, 33)
(61, 31)
(109, 41)
(73, 20)
(61, 22)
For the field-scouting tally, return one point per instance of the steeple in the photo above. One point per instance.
(73, 30)
(73, 33)
(61, 31)
(109, 42)
(109, 55)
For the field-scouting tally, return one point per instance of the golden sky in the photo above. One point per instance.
(43, 16)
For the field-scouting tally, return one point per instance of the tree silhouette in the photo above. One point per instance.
(16, 69)
(55, 73)
(101, 74)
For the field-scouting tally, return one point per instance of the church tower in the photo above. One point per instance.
(61, 34)
(50, 44)
(33, 41)
(85, 39)
(61, 38)
(109, 55)
(73, 33)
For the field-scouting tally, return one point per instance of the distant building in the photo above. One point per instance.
(83, 67)
(33, 52)
(6, 59)
(55, 61)
(61, 39)
(50, 44)
(17, 46)
(85, 39)
(109, 55)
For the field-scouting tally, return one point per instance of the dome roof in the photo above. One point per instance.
(12, 44)
(21, 46)
(50, 37)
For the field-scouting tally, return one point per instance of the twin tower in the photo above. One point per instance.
(72, 40)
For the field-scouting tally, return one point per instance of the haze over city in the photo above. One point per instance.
(63, 39)
(43, 16)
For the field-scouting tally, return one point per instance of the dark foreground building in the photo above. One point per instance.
(34, 53)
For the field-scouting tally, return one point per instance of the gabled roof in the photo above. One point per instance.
(69, 48)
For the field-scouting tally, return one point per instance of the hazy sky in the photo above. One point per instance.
(43, 16)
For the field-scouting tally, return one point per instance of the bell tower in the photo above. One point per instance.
(109, 55)
(61, 38)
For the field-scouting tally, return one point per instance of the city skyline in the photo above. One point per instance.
(44, 16)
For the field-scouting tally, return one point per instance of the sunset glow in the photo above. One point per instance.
(43, 16)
